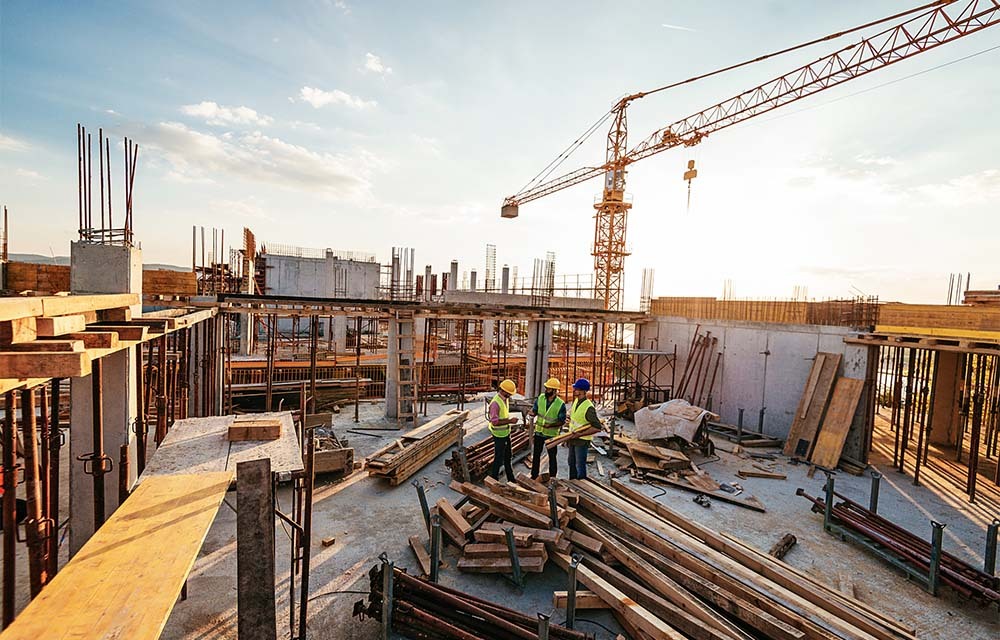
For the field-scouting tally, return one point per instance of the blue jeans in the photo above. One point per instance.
(578, 459)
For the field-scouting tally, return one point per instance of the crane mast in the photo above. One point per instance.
(926, 31)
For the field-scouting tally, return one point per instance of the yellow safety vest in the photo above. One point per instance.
(503, 430)
(578, 416)
(548, 414)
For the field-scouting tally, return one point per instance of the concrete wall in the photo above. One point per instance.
(321, 277)
(763, 365)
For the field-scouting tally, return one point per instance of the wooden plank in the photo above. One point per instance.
(837, 423)
(585, 542)
(812, 405)
(255, 602)
(756, 473)
(18, 330)
(114, 587)
(584, 600)
(572, 435)
(44, 364)
(448, 512)
(500, 565)
(250, 427)
(497, 550)
(420, 551)
(498, 537)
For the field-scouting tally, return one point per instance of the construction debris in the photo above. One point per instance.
(783, 546)
(684, 580)
(412, 451)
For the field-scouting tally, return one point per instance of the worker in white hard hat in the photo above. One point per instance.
(500, 422)
(550, 415)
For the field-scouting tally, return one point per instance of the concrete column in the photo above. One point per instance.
(393, 374)
(488, 329)
(339, 329)
(505, 280)
(452, 330)
(453, 283)
(539, 347)
(98, 269)
(246, 325)
(947, 383)
(472, 280)
(427, 282)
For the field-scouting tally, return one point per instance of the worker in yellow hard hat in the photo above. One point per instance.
(550, 415)
(500, 421)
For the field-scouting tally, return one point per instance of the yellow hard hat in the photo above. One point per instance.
(508, 386)
(552, 383)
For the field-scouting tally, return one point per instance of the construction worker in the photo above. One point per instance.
(550, 416)
(581, 414)
(500, 422)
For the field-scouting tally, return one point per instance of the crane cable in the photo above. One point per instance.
(573, 146)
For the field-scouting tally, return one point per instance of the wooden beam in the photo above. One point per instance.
(95, 339)
(44, 364)
(125, 332)
(18, 330)
(65, 305)
(420, 551)
(584, 600)
(122, 314)
(60, 325)
(14, 308)
(47, 345)
(449, 513)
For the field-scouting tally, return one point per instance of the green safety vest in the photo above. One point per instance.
(501, 431)
(578, 416)
(548, 414)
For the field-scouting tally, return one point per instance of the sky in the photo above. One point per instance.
(367, 125)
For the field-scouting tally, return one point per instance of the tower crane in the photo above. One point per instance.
(934, 24)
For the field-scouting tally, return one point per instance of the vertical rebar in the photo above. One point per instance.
(571, 591)
(873, 497)
(990, 557)
(435, 547)
(515, 562)
(934, 573)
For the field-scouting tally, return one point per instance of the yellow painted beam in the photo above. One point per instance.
(125, 581)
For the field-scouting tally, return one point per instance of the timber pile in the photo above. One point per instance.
(411, 452)
(677, 579)
(480, 456)
(422, 609)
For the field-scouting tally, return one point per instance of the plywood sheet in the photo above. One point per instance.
(812, 405)
(125, 581)
(836, 424)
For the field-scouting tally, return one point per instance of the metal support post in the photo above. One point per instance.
(760, 420)
(937, 540)
(515, 562)
(387, 597)
(553, 506)
(990, 558)
(739, 426)
(463, 460)
(543, 626)
(828, 503)
(423, 504)
(873, 498)
(435, 547)
(571, 591)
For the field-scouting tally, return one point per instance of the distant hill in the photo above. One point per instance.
(34, 258)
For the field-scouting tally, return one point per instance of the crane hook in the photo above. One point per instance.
(690, 175)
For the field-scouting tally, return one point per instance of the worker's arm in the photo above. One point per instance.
(534, 409)
(561, 419)
(592, 418)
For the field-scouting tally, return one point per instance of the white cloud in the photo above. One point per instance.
(11, 144)
(29, 174)
(319, 98)
(972, 189)
(676, 27)
(193, 156)
(216, 114)
(246, 208)
(343, 6)
(431, 146)
(374, 64)
(881, 161)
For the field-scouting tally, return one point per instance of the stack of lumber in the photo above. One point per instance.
(169, 282)
(514, 503)
(649, 457)
(423, 609)
(480, 455)
(674, 578)
(986, 297)
(408, 454)
(28, 276)
(825, 413)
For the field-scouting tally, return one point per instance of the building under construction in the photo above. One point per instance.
(296, 442)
